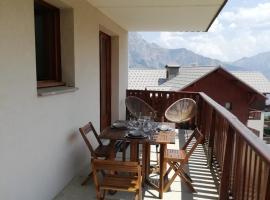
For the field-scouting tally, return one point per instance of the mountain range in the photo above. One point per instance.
(143, 54)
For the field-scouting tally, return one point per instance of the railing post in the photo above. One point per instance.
(203, 119)
(211, 138)
(198, 117)
(268, 185)
(226, 171)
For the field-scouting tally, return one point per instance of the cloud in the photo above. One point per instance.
(248, 17)
(238, 32)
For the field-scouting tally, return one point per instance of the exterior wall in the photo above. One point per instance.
(257, 124)
(223, 90)
(40, 147)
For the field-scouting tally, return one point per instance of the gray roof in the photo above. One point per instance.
(255, 79)
(141, 79)
(149, 78)
(186, 76)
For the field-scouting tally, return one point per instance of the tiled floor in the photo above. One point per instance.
(204, 181)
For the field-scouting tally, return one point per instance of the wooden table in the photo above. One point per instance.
(162, 138)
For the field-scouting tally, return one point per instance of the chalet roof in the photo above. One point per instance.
(186, 76)
(152, 79)
(254, 79)
(140, 79)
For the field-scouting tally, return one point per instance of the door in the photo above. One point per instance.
(105, 79)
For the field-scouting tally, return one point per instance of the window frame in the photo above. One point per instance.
(54, 49)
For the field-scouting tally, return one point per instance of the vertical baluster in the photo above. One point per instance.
(211, 138)
(264, 182)
(249, 174)
(245, 178)
(238, 168)
(255, 178)
(225, 177)
(267, 197)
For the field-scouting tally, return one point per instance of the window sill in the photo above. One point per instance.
(49, 83)
(42, 92)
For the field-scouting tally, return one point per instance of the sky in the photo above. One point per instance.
(241, 30)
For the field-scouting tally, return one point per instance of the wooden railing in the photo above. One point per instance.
(243, 159)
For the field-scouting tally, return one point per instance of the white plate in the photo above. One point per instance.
(164, 127)
(136, 133)
(119, 124)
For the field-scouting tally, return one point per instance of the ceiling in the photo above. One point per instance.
(161, 15)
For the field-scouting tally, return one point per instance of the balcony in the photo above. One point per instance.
(39, 139)
(232, 163)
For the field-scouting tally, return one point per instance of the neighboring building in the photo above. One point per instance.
(262, 84)
(221, 85)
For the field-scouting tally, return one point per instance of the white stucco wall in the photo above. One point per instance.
(257, 125)
(40, 147)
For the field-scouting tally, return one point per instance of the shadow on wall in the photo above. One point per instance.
(79, 151)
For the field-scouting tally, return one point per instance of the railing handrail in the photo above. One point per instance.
(161, 91)
(255, 143)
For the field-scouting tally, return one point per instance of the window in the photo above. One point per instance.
(47, 40)
(228, 105)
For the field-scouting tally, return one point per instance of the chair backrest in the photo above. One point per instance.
(90, 137)
(115, 165)
(197, 138)
(181, 111)
(137, 107)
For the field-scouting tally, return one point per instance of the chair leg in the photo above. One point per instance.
(87, 179)
(138, 194)
(168, 171)
(103, 194)
(157, 154)
(100, 193)
(177, 165)
(124, 151)
(187, 176)
(180, 172)
(168, 184)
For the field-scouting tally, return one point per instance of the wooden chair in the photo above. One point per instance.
(178, 158)
(95, 146)
(127, 177)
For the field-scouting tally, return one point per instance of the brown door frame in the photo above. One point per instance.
(105, 67)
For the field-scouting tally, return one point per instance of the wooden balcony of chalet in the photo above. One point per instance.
(232, 163)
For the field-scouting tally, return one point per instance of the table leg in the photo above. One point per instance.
(147, 153)
(134, 151)
(144, 157)
(145, 161)
(162, 170)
